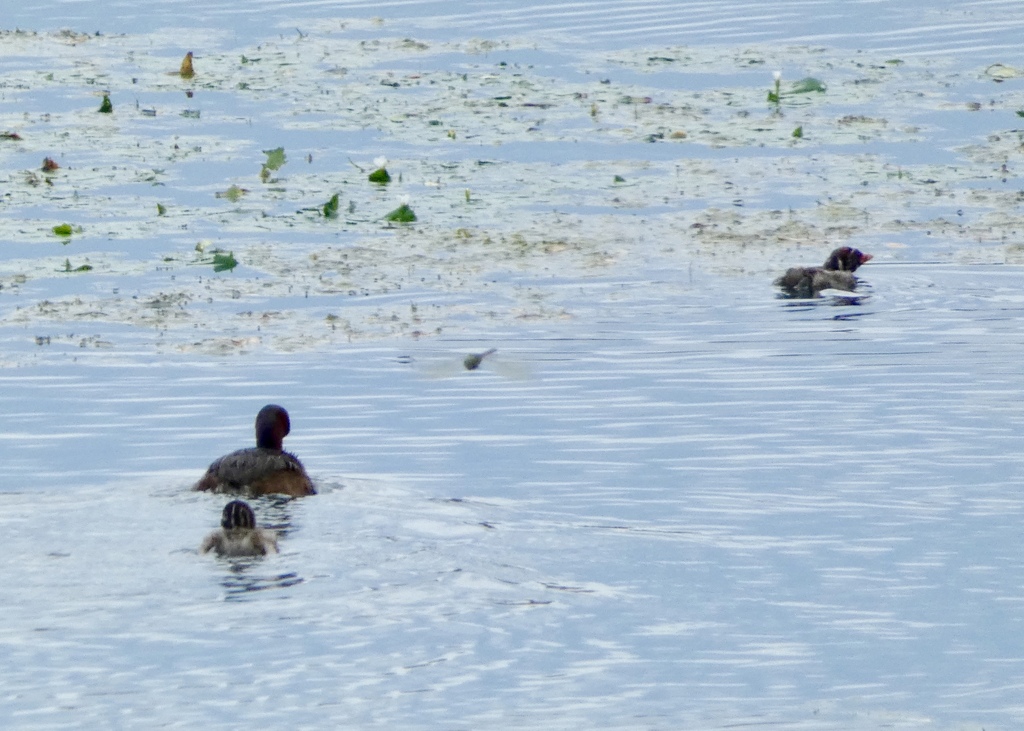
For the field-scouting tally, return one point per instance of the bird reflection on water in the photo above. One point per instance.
(241, 580)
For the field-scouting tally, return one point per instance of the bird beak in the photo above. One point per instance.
(865, 258)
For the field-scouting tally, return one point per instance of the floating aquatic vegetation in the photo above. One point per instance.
(999, 72)
(186, 71)
(380, 175)
(806, 85)
(80, 268)
(275, 161)
(402, 214)
(234, 193)
(224, 261)
(219, 259)
(106, 106)
(728, 214)
(775, 95)
(63, 229)
(798, 133)
(330, 208)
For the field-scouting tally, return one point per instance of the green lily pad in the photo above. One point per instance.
(224, 261)
(402, 214)
(275, 158)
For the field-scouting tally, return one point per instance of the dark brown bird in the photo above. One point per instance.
(264, 469)
(473, 361)
(835, 273)
(239, 535)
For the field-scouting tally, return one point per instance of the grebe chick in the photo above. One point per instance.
(239, 535)
(264, 469)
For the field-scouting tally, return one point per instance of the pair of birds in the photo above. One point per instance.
(265, 469)
(835, 273)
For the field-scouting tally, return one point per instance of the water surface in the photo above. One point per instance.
(669, 500)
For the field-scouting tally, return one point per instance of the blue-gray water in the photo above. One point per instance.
(670, 501)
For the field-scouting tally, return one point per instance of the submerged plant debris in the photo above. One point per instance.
(582, 164)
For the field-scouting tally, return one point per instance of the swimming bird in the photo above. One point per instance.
(835, 273)
(263, 469)
(473, 361)
(239, 535)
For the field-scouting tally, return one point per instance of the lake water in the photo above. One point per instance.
(670, 499)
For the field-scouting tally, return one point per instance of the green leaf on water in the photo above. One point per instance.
(221, 260)
(805, 86)
(798, 132)
(618, 179)
(63, 229)
(331, 207)
(402, 214)
(161, 210)
(224, 261)
(105, 106)
(233, 194)
(275, 158)
(380, 176)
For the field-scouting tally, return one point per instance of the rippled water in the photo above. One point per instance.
(712, 509)
(671, 500)
(964, 28)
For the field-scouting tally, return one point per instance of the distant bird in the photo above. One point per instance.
(473, 361)
(239, 535)
(835, 273)
(264, 469)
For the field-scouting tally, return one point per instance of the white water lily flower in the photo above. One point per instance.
(403, 200)
(380, 162)
(778, 76)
